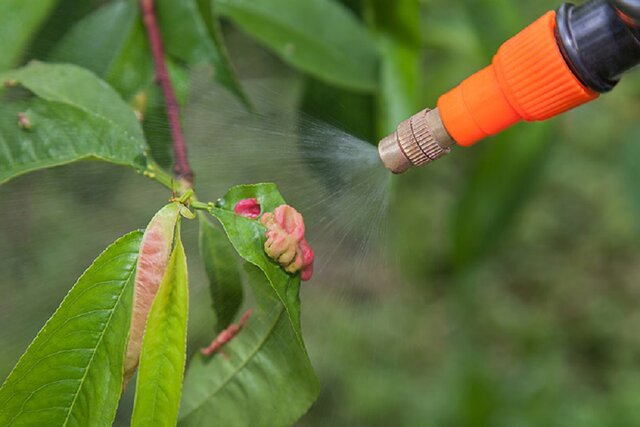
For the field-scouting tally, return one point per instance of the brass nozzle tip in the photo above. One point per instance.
(392, 156)
(416, 142)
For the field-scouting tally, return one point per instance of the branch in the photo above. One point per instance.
(181, 167)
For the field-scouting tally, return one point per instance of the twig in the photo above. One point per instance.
(181, 168)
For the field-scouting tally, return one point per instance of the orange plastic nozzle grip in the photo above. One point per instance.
(527, 80)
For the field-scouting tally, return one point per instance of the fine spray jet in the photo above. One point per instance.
(564, 59)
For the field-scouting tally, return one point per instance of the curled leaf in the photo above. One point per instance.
(152, 264)
(163, 356)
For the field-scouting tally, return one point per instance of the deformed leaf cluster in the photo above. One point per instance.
(89, 98)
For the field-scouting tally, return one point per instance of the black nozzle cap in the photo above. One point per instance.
(596, 43)
(629, 8)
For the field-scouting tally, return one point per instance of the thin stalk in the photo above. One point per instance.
(181, 168)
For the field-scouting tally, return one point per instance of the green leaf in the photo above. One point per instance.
(494, 21)
(400, 18)
(164, 348)
(192, 34)
(397, 25)
(71, 374)
(73, 116)
(629, 160)
(19, 20)
(354, 112)
(123, 58)
(320, 37)
(266, 378)
(248, 237)
(400, 84)
(223, 271)
(120, 55)
(502, 177)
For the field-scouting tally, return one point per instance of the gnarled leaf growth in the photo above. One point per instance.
(266, 378)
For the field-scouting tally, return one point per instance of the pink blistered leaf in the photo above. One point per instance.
(152, 264)
(290, 220)
(248, 208)
(285, 241)
(307, 260)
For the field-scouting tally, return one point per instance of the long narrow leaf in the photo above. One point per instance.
(164, 348)
(71, 374)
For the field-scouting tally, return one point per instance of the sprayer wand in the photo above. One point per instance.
(562, 60)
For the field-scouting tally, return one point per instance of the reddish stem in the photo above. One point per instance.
(181, 168)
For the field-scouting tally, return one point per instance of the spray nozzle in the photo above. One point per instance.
(417, 141)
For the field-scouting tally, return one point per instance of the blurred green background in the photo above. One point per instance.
(512, 269)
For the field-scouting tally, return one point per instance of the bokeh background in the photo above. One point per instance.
(501, 287)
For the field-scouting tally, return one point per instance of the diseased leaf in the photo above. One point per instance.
(223, 271)
(19, 20)
(73, 116)
(267, 378)
(163, 354)
(71, 374)
(247, 237)
(320, 37)
(152, 265)
(191, 33)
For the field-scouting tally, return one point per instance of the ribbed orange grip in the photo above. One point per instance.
(527, 80)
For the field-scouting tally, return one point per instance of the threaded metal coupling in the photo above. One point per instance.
(417, 141)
